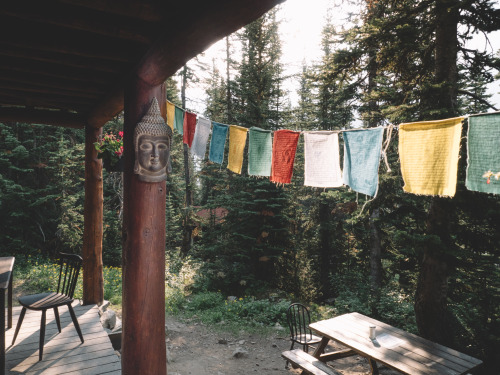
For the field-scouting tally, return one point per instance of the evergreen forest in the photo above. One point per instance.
(429, 265)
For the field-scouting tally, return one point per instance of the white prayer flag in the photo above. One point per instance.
(322, 161)
(199, 146)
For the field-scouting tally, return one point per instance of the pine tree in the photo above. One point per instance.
(41, 188)
(259, 93)
(241, 251)
(305, 113)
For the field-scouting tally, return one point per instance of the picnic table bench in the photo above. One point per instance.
(308, 363)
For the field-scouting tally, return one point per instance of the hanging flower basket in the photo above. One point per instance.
(110, 150)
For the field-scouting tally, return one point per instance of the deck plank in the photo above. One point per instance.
(63, 352)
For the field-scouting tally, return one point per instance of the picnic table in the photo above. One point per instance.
(395, 348)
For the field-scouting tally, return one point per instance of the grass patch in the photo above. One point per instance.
(36, 274)
(242, 314)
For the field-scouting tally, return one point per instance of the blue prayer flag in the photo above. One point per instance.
(218, 142)
(362, 158)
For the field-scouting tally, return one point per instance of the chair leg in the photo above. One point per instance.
(58, 321)
(75, 322)
(286, 363)
(19, 322)
(42, 334)
(56, 314)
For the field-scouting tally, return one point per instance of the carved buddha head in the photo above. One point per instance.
(152, 140)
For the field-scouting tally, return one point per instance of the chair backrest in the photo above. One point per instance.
(298, 318)
(69, 270)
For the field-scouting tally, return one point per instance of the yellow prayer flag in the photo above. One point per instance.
(237, 140)
(428, 152)
(170, 114)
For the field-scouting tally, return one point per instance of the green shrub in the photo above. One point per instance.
(205, 301)
(390, 305)
(242, 313)
(40, 277)
(174, 300)
(113, 284)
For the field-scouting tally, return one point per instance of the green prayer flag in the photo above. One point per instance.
(260, 148)
(483, 153)
(179, 120)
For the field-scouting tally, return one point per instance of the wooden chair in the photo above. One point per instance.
(298, 318)
(70, 265)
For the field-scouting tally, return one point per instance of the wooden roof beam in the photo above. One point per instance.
(71, 43)
(28, 77)
(41, 116)
(88, 20)
(37, 100)
(173, 49)
(146, 10)
(47, 89)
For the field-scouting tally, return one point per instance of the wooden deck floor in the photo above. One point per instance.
(63, 352)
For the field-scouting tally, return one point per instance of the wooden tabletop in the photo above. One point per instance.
(6, 265)
(400, 350)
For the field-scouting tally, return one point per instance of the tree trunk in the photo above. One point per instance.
(229, 110)
(432, 288)
(143, 345)
(371, 121)
(93, 280)
(431, 307)
(375, 252)
(187, 238)
(325, 248)
(445, 68)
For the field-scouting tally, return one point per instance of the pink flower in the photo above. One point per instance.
(120, 134)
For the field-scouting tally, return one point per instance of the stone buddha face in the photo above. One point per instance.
(153, 153)
(152, 139)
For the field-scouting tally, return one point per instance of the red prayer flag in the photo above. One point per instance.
(189, 128)
(284, 148)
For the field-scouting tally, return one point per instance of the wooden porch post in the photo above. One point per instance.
(143, 338)
(93, 281)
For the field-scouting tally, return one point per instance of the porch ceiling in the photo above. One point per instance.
(65, 62)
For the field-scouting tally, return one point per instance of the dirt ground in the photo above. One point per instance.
(194, 349)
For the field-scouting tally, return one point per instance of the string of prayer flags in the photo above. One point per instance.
(260, 148)
(170, 115)
(362, 150)
(322, 163)
(483, 153)
(200, 140)
(428, 152)
(179, 120)
(218, 142)
(284, 148)
(189, 128)
(237, 141)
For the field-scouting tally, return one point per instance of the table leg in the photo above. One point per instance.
(321, 347)
(373, 366)
(9, 320)
(2, 332)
